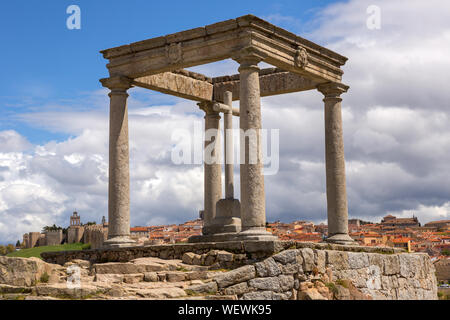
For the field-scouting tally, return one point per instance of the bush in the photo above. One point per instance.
(10, 248)
(86, 246)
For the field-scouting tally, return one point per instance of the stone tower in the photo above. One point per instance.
(76, 230)
(75, 219)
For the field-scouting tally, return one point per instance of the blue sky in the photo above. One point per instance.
(54, 123)
(46, 63)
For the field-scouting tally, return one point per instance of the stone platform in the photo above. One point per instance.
(253, 270)
(255, 250)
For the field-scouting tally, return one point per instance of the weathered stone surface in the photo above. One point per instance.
(206, 288)
(408, 264)
(151, 276)
(373, 281)
(235, 276)
(188, 257)
(291, 268)
(197, 275)
(258, 295)
(286, 282)
(176, 276)
(391, 264)
(269, 283)
(133, 278)
(61, 290)
(310, 294)
(177, 85)
(122, 268)
(308, 259)
(357, 260)
(320, 261)
(286, 256)
(267, 268)
(108, 277)
(162, 293)
(237, 289)
(81, 263)
(382, 278)
(281, 295)
(338, 259)
(224, 256)
(26, 271)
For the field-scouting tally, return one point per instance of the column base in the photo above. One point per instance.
(341, 238)
(228, 226)
(256, 233)
(119, 242)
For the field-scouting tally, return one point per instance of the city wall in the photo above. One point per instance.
(95, 235)
(75, 234)
(53, 238)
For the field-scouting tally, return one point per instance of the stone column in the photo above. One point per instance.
(228, 146)
(335, 165)
(119, 172)
(253, 206)
(227, 221)
(212, 166)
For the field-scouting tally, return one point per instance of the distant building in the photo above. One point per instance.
(393, 221)
(76, 230)
(139, 232)
(441, 224)
(75, 219)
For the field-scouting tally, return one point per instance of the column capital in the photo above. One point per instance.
(117, 84)
(248, 58)
(208, 107)
(332, 90)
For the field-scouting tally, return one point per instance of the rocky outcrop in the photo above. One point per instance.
(27, 271)
(292, 274)
(329, 274)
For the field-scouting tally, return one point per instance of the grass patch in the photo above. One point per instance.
(342, 283)
(183, 269)
(36, 252)
(191, 293)
(332, 287)
(219, 270)
(44, 278)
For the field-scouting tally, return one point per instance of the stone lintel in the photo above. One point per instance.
(177, 84)
(222, 41)
(270, 84)
(197, 87)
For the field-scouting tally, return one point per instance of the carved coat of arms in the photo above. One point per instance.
(301, 57)
(174, 53)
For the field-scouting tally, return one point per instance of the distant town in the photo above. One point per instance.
(432, 238)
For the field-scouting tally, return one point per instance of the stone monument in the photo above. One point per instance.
(159, 64)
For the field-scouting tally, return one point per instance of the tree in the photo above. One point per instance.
(2, 250)
(54, 227)
(10, 248)
(18, 244)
